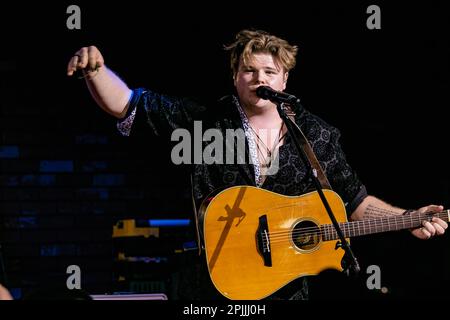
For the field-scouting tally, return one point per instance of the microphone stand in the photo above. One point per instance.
(353, 264)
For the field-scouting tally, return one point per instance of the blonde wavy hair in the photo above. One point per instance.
(248, 42)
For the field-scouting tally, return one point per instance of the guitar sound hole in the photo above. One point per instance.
(306, 235)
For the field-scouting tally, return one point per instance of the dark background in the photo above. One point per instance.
(66, 176)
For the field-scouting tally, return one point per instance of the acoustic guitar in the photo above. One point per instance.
(257, 241)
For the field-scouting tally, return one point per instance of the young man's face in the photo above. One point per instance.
(261, 70)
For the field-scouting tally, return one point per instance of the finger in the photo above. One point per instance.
(439, 229)
(425, 232)
(76, 62)
(431, 208)
(440, 222)
(100, 60)
(435, 208)
(429, 227)
(94, 57)
(83, 58)
(72, 65)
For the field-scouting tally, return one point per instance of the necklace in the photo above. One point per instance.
(267, 159)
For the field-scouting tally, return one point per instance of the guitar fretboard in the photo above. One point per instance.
(370, 226)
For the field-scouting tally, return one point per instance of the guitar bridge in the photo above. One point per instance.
(263, 241)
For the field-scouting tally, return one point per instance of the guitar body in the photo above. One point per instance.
(254, 244)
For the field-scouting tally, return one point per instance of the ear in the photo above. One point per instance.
(285, 77)
(234, 79)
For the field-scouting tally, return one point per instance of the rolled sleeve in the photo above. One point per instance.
(161, 113)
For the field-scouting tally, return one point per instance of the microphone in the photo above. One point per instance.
(267, 93)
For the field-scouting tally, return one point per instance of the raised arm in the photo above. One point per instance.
(108, 90)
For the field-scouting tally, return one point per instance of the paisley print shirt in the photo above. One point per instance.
(163, 114)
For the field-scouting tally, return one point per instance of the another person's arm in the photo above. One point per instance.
(109, 91)
(4, 294)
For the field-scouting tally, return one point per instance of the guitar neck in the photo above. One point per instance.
(371, 226)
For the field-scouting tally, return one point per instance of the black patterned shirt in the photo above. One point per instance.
(163, 114)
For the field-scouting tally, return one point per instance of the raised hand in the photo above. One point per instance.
(88, 59)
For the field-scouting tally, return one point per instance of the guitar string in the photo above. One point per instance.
(283, 235)
(427, 214)
(313, 230)
(381, 221)
(374, 223)
(329, 235)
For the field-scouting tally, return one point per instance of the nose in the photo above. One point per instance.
(259, 76)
